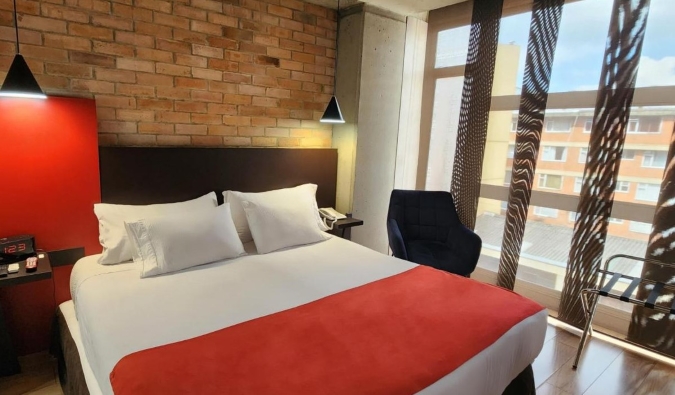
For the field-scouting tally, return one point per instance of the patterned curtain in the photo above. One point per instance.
(612, 111)
(546, 15)
(648, 327)
(475, 109)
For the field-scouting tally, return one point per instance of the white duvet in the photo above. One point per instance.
(119, 313)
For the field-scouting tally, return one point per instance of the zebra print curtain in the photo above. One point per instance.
(546, 15)
(649, 328)
(612, 111)
(475, 108)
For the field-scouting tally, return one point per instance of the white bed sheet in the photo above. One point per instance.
(119, 313)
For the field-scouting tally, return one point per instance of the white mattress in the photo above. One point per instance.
(119, 313)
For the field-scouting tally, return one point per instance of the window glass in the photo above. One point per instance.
(554, 154)
(507, 177)
(623, 186)
(578, 183)
(640, 227)
(583, 154)
(443, 139)
(514, 32)
(559, 125)
(546, 212)
(512, 151)
(628, 154)
(588, 126)
(452, 47)
(550, 181)
(657, 62)
(654, 159)
(581, 45)
(647, 192)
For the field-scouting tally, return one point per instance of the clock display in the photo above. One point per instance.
(16, 248)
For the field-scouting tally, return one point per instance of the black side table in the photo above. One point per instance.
(343, 227)
(9, 363)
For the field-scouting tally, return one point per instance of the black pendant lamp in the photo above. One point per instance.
(20, 81)
(333, 113)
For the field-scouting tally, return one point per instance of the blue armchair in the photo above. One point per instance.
(424, 228)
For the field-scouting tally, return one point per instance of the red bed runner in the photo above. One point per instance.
(397, 335)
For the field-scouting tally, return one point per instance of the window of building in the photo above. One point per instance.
(640, 227)
(514, 126)
(647, 192)
(633, 125)
(549, 181)
(546, 212)
(578, 182)
(572, 216)
(654, 159)
(583, 154)
(512, 151)
(554, 154)
(615, 221)
(559, 126)
(622, 186)
(628, 154)
(588, 126)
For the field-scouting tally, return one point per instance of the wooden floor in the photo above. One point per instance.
(605, 369)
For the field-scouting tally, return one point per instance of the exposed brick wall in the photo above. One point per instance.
(184, 72)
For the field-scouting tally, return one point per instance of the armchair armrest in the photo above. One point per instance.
(469, 243)
(396, 242)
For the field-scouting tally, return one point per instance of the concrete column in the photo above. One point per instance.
(370, 75)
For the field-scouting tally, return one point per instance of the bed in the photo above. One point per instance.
(118, 326)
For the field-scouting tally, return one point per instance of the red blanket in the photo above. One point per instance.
(397, 335)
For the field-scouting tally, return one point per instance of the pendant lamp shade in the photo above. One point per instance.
(20, 81)
(333, 113)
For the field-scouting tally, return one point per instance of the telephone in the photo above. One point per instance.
(331, 215)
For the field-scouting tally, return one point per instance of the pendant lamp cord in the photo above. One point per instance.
(337, 40)
(16, 27)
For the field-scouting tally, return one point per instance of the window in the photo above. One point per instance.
(583, 154)
(646, 124)
(512, 151)
(549, 181)
(546, 212)
(654, 159)
(628, 154)
(554, 154)
(588, 126)
(615, 221)
(507, 177)
(572, 216)
(504, 206)
(633, 126)
(514, 126)
(453, 45)
(640, 227)
(622, 186)
(647, 192)
(578, 182)
(558, 126)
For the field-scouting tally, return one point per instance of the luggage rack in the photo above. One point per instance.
(590, 296)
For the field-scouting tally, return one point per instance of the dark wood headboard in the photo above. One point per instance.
(134, 175)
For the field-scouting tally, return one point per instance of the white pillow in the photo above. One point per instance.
(111, 218)
(182, 240)
(277, 224)
(305, 193)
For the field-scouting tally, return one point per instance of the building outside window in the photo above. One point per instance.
(583, 154)
(640, 227)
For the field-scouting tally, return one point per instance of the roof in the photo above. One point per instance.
(551, 243)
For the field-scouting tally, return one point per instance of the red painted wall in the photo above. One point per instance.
(49, 183)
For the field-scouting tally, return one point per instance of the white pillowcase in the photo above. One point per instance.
(277, 224)
(179, 241)
(111, 218)
(304, 193)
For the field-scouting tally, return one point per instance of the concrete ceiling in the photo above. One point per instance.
(403, 7)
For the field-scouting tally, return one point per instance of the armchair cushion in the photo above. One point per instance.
(440, 256)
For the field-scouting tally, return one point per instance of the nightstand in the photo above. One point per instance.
(9, 363)
(343, 227)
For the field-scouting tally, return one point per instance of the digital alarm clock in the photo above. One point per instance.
(16, 248)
